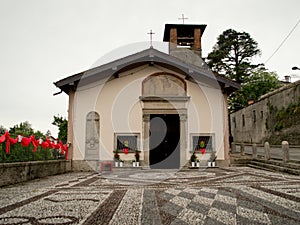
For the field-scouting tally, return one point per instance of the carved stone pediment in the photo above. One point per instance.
(164, 84)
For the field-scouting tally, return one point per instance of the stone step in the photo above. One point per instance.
(279, 163)
(273, 167)
(239, 162)
(259, 167)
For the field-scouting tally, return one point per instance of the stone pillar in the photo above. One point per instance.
(254, 151)
(242, 149)
(197, 41)
(267, 151)
(226, 131)
(183, 139)
(285, 151)
(173, 39)
(146, 135)
(233, 147)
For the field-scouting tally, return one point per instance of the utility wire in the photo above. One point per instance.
(289, 34)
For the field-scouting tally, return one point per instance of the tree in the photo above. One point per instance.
(259, 83)
(232, 55)
(24, 129)
(2, 130)
(62, 124)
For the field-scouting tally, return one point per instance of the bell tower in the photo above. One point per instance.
(186, 36)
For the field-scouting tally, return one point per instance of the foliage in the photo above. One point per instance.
(193, 157)
(18, 153)
(137, 156)
(287, 117)
(62, 124)
(259, 83)
(24, 129)
(116, 157)
(232, 55)
(212, 157)
(2, 130)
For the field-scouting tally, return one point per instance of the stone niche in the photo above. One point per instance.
(92, 136)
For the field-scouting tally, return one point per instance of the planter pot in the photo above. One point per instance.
(137, 164)
(193, 164)
(134, 164)
(209, 164)
(198, 164)
(121, 164)
(116, 164)
(213, 164)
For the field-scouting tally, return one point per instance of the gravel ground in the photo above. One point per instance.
(212, 196)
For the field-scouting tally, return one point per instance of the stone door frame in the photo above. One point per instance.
(165, 105)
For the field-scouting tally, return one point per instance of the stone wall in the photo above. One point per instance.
(12, 173)
(274, 117)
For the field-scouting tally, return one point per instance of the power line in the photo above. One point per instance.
(289, 34)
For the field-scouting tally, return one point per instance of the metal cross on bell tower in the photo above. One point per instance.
(151, 34)
(183, 18)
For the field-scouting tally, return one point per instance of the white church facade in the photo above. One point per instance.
(164, 106)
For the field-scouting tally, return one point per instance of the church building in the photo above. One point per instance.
(162, 106)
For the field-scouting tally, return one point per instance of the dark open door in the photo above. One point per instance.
(164, 141)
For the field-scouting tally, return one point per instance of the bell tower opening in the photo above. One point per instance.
(186, 36)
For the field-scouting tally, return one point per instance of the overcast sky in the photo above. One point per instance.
(44, 41)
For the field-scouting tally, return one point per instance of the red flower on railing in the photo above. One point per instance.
(25, 141)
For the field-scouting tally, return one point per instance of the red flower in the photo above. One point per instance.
(125, 150)
(202, 150)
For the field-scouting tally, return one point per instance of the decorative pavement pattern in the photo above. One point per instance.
(209, 196)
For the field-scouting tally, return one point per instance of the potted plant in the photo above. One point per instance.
(116, 158)
(212, 159)
(137, 158)
(134, 163)
(193, 159)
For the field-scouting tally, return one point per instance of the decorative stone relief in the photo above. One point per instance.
(164, 85)
(92, 136)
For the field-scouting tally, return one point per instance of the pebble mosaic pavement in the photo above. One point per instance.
(208, 196)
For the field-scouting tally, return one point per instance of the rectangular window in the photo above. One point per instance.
(254, 116)
(243, 120)
(129, 141)
(234, 122)
(261, 114)
(202, 141)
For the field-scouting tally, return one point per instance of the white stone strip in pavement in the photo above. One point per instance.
(129, 210)
(226, 199)
(191, 217)
(286, 203)
(253, 215)
(222, 216)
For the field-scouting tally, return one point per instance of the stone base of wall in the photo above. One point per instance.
(12, 173)
(84, 165)
(223, 163)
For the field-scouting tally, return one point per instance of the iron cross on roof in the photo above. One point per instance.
(183, 18)
(151, 34)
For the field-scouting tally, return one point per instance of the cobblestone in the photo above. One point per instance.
(213, 196)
